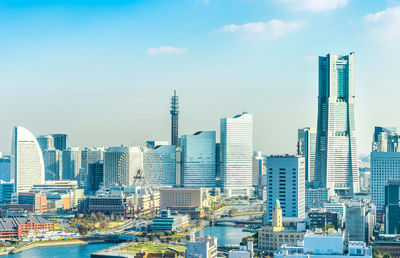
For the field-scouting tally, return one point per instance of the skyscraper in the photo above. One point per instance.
(174, 119)
(95, 176)
(71, 163)
(121, 165)
(258, 167)
(385, 139)
(285, 182)
(27, 166)
(46, 142)
(52, 164)
(5, 167)
(336, 154)
(384, 166)
(168, 156)
(306, 145)
(60, 141)
(236, 154)
(90, 155)
(111, 159)
(392, 206)
(198, 159)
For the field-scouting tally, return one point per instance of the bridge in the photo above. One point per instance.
(235, 222)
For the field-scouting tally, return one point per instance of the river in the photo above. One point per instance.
(227, 235)
(70, 251)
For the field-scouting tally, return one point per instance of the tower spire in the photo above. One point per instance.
(174, 118)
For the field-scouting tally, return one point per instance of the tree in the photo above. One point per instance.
(387, 255)
(376, 253)
(103, 224)
(93, 217)
(83, 229)
(232, 212)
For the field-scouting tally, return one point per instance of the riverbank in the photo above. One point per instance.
(247, 213)
(50, 244)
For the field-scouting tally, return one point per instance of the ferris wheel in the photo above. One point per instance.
(140, 165)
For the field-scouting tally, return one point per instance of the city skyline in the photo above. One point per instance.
(131, 96)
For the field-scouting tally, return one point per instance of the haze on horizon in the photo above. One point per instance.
(103, 71)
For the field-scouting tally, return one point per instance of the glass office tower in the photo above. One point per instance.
(198, 159)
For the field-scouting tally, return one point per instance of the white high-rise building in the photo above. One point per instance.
(336, 151)
(286, 183)
(236, 150)
(111, 159)
(198, 159)
(122, 165)
(27, 166)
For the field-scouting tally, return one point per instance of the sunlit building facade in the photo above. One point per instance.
(336, 153)
(198, 159)
(236, 151)
(27, 165)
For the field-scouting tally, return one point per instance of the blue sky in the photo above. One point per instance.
(103, 71)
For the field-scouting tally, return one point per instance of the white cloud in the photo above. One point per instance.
(313, 5)
(166, 50)
(261, 31)
(384, 27)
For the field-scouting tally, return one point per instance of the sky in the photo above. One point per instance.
(103, 71)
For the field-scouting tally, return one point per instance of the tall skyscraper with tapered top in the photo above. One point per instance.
(174, 119)
(336, 153)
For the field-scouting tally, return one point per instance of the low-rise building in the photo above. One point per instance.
(38, 200)
(184, 197)
(245, 251)
(272, 237)
(18, 227)
(336, 206)
(169, 221)
(203, 247)
(325, 244)
(113, 204)
(6, 191)
(321, 218)
(388, 243)
(315, 197)
(58, 201)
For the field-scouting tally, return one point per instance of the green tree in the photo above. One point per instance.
(376, 253)
(83, 229)
(387, 255)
